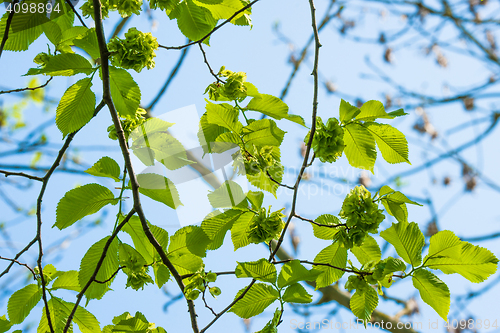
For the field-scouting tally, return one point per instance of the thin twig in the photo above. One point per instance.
(38, 237)
(120, 26)
(313, 129)
(101, 39)
(21, 264)
(27, 88)
(111, 277)
(199, 41)
(277, 182)
(97, 268)
(21, 174)
(319, 224)
(172, 75)
(76, 13)
(228, 307)
(7, 27)
(217, 78)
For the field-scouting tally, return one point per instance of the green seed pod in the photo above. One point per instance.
(215, 291)
(328, 140)
(135, 52)
(211, 277)
(42, 59)
(193, 294)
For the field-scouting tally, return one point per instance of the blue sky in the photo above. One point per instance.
(257, 52)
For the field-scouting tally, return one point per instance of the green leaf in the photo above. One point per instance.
(262, 133)
(58, 317)
(408, 241)
(80, 202)
(255, 198)
(52, 31)
(105, 167)
(255, 301)
(223, 115)
(394, 265)
(129, 258)
(273, 107)
(272, 325)
(326, 232)
(208, 133)
(189, 239)
(363, 302)
(368, 251)
(293, 272)
(88, 43)
(347, 112)
(261, 270)
(391, 142)
(397, 113)
(216, 225)
(159, 188)
(222, 9)
(109, 266)
(68, 36)
(22, 302)
(444, 244)
(76, 107)
(86, 321)
(476, 263)
(395, 203)
(229, 194)
(334, 255)
(252, 90)
(153, 141)
(372, 110)
(296, 293)
(124, 91)
(433, 291)
(141, 241)
(24, 30)
(195, 22)
(240, 229)
(67, 280)
(264, 182)
(162, 274)
(64, 64)
(5, 325)
(359, 146)
(186, 263)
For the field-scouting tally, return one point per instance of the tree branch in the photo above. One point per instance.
(126, 156)
(199, 41)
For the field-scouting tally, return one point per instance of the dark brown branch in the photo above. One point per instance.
(21, 264)
(172, 75)
(38, 237)
(120, 26)
(21, 174)
(319, 224)
(26, 248)
(228, 307)
(303, 53)
(199, 41)
(317, 46)
(98, 267)
(217, 78)
(76, 13)
(27, 88)
(7, 27)
(277, 182)
(111, 277)
(101, 39)
(205, 301)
